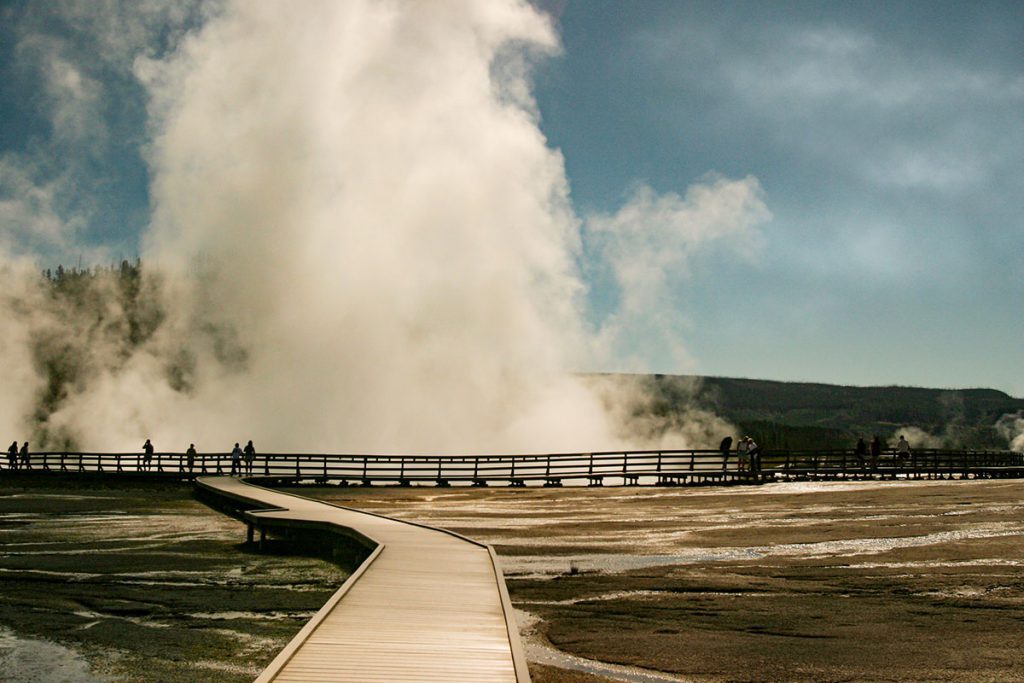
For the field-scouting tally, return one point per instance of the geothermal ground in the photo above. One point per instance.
(887, 581)
(883, 581)
(139, 582)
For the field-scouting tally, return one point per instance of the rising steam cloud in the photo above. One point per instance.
(360, 241)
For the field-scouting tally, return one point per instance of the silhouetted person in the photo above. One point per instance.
(725, 447)
(12, 456)
(861, 450)
(190, 457)
(236, 461)
(876, 451)
(26, 459)
(250, 455)
(147, 455)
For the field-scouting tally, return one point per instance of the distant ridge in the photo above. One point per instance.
(809, 414)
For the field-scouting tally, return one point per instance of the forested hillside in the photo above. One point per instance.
(804, 415)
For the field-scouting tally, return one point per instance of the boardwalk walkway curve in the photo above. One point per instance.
(426, 605)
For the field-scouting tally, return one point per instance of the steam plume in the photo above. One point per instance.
(360, 241)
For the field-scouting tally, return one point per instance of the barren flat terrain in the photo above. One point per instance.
(884, 581)
(136, 581)
(832, 581)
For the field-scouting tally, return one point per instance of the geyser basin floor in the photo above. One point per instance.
(146, 583)
(902, 581)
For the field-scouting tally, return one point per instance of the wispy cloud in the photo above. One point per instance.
(649, 244)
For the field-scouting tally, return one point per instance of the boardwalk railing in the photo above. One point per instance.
(596, 468)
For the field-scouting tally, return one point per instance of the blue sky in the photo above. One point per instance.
(888, 140)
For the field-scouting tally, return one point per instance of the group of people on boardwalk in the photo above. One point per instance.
(241, 458)
(18, 458)
(748, 454)
(863, 451)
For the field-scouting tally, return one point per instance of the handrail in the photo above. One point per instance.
(665, 466)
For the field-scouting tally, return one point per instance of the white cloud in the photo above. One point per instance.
(31, 220)
(649, 244)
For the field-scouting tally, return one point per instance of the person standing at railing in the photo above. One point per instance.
(12, 456)
(190, 457)
(147, 455)
(725, 447)
(876, 451)
(742, 453)
(26, 459)
(861, 450)
(250, 455)
(903, 449)
(754, 453)
(236, 461)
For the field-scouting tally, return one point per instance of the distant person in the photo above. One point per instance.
(861, 450)
(725, 447)
(147, 455)
(903, 449)
(742, 453)
(754, 454)
(190, 457)
(26, 459)
(12, 456)
(876, 451)
(236, 461)
(250, 455)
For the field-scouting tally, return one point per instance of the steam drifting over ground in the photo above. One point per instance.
(360, 241)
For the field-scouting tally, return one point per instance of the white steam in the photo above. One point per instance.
(1011, 428)
(360, 241)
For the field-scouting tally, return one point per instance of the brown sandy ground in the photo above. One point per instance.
(145, 582)
(840, 581)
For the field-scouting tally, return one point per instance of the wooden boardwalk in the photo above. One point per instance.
(630, 468)
(426, 605)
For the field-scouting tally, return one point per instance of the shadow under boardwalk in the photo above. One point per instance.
(426, 605)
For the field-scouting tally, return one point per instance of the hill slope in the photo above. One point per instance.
(804, 415)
